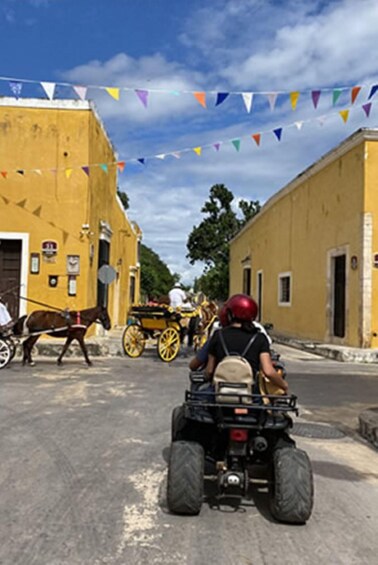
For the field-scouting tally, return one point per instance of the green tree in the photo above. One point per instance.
(209, 241)
(124, 199)
(156, 278)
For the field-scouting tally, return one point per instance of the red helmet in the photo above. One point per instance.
(241, 308)
(223, 316)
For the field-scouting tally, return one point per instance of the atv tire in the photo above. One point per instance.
(178, 423)
(292, 490)
(185, 478)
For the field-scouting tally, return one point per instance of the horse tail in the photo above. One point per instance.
(19, 326)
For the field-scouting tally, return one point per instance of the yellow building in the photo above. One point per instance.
(60, 216)
(310, 257)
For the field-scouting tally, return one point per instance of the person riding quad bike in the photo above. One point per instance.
(230, 421)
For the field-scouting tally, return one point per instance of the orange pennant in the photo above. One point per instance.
(257, 137)
(200, 97)
(4, 174)
(354, 93)
(121, 166)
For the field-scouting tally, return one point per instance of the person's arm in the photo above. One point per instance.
(210, 367)
(271, 373)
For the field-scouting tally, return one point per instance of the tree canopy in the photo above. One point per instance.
(156, 278)
(209, 241)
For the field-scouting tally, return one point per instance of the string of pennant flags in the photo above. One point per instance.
(16, 86)
(198, 149)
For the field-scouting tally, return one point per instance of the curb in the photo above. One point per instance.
(368, 425)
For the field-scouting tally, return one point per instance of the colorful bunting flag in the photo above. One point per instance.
(16, 88)
(4, 174)
(20, 172)
(344, 114)
(37, 172)
(236, 144)
(201, 98)
(221, 97)
(354, 93)
(366, 108)
(143, 96)
(141, 160)
(298, 125)
(49, 88)
(197, 150)
(216, 146)
(272, 97)
(68, 173)
(336, 95)
(373, 90)
(278, 133)
(176, 154)
(121, 166)
(247, 99)
(81, 91)
(104, 167)
(86, 170)
(162, 156)
(37, 211)
(113, 92)
(22, 203)
(315, 95)
(257, 138)
(294, 99)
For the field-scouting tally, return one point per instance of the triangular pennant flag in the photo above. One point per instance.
(298, 125)
(247, 99)
(315, 95)
(86, 170)
(161, 156)
(216, 146)
(16, 88)
(294, 99)
(354, 93)
(65, 236)
(37, 171)
(68, 173)
(22, 203)
(174, 92)
(236, 144)
(272, 97)
(37, 211)
(104, 167)
(4, 174)
(278, 132)
(367, 108)
(120, 166)
(143, 96)
(200, 97)
(81, 91)
(336, 95)
(344, 114)
(49, 88)
(6, 201)
(176, 155)
(20, 172)
(142, 161)
(373, 90)
(221, 97)
(114, 92)
(197, 150)
(257, 138)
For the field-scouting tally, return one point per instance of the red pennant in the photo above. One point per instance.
(4, 174)
(121, 166)
(257, 137)
(354, 93)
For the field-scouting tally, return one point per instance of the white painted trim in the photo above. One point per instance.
(259, 298)
(366, 274)
(287, 274)
(24, 237)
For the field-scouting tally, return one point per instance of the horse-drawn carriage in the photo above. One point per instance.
(168, 326)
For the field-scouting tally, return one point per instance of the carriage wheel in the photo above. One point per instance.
(168, 344)
(133, 341)
(5, 353)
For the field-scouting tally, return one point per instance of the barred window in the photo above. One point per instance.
(284, 289)
(247, 280)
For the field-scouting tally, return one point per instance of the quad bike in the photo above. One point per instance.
(227, 437)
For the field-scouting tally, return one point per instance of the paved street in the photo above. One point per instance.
(83, 469)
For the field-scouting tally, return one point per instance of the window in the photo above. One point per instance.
(247, 280)
(284, 289)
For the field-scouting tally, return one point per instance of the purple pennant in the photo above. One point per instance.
(278, 132)
(367, 108)
(221, 97)
(86, 170)
(143, 96)
(315, 95)
(141, 161)
(373, 90)
(217, 146)
(16, 88)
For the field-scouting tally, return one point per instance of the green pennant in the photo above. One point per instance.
(236, 144)
(336, 95)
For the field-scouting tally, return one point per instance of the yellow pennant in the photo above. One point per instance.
(198, 150)
(68, 173)
(294, 99)
(114, 92)
(344, 114)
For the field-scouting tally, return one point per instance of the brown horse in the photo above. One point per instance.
(69, 324)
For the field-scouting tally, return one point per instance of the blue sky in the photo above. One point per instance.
(259, 46)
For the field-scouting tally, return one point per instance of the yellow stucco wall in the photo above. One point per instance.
(47, 205)
(318, 214)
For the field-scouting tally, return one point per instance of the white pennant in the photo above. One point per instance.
(161, 156)
(247, 98)
(299, 125)
(272, 97)
(176, 154)
(81, 91)
(49, 88)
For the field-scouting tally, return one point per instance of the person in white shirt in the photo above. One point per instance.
(177, 296)
(5, 317)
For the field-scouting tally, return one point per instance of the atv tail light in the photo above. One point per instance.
(241, 410)
(238, 435)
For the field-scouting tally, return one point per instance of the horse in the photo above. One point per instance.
(70, 324)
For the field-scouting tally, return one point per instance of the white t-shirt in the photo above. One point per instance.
(4, 315)
(176, 297)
